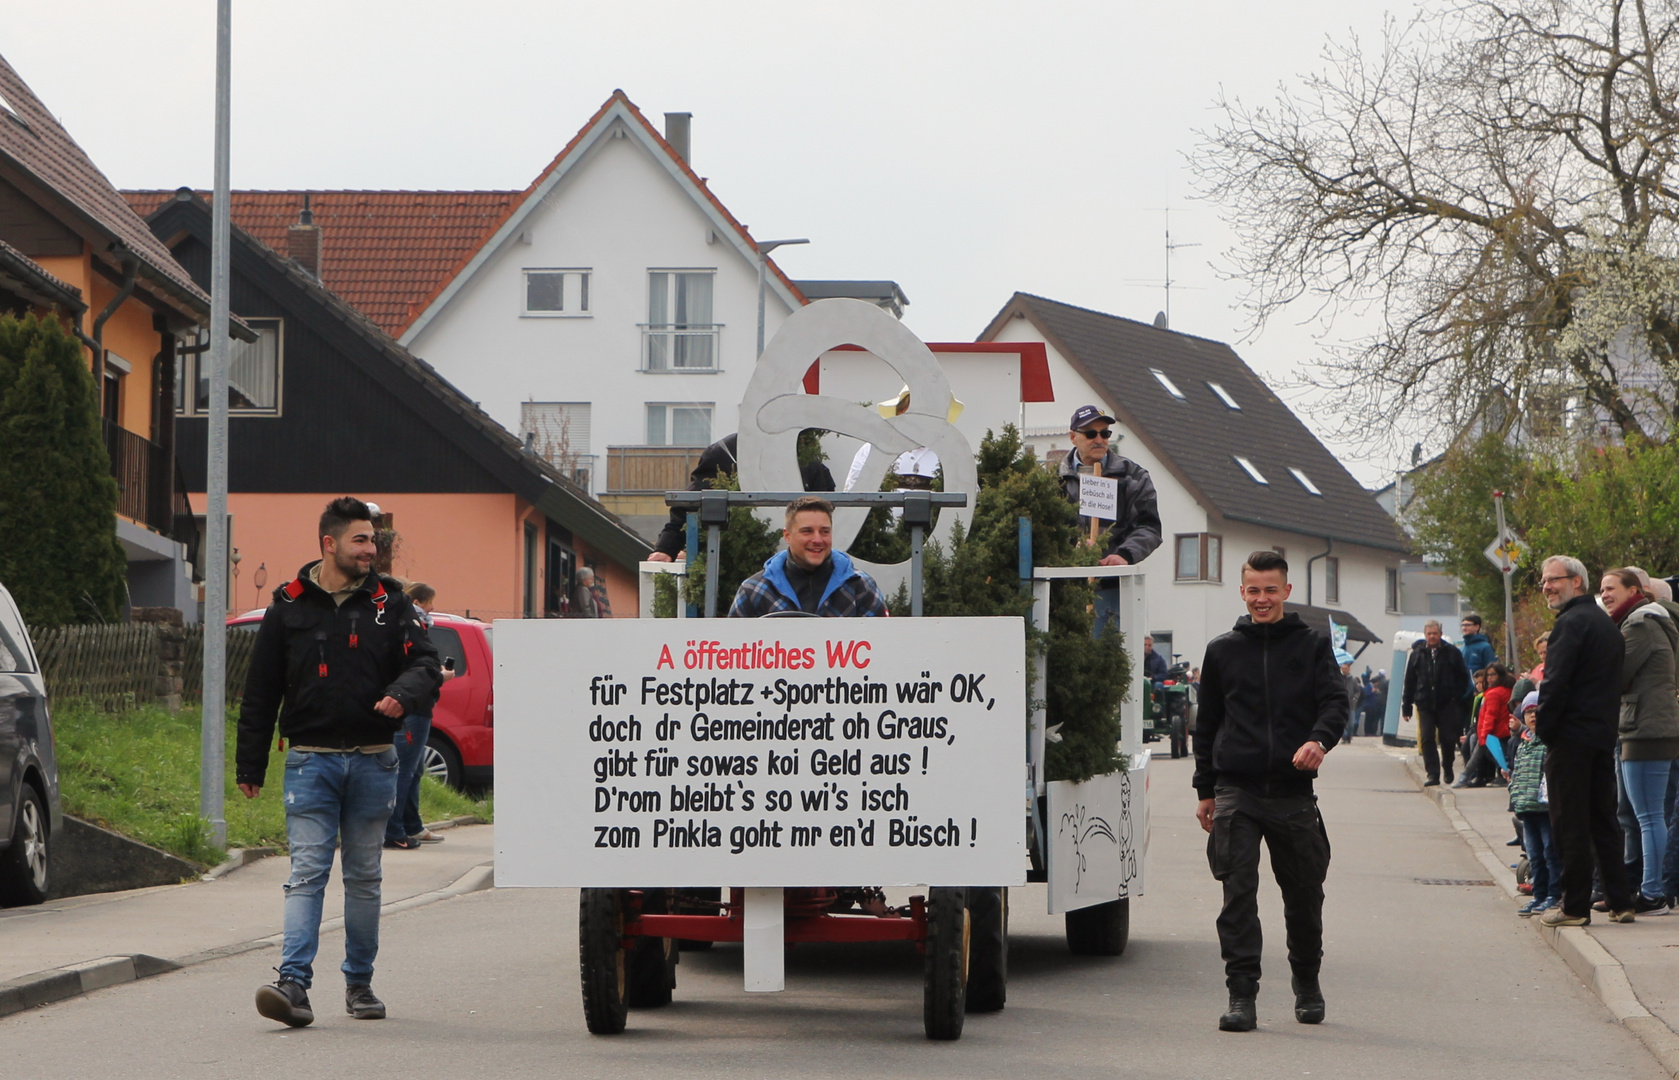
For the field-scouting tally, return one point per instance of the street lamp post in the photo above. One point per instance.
(764, 248)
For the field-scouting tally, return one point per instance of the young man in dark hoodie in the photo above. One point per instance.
(1273, 703)
(345, 651)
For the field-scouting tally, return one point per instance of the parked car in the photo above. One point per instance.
(30, 813)
(461, 750)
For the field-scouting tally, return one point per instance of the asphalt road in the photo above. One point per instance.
(1424, 981)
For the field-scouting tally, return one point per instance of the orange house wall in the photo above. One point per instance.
(469, 547)
(453, 542)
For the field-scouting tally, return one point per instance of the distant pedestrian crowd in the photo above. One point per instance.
(1587, 740)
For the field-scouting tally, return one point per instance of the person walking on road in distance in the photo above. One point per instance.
(1273, 703)
(1478, 653)
(1649, 722)
(1135, 532)
(809, 575)
(1436, 682)
(343, 650)
(1578, 716)
(405, 831)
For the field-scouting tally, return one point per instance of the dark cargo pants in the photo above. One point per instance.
(1293, 830)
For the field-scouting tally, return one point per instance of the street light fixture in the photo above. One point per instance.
(764, 248)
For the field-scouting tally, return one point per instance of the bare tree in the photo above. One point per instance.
(1495, 181)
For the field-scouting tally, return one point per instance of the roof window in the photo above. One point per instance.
(1306, 482)
(1251, 470)
(1224, 396)
(1171, 387)
(6, 108)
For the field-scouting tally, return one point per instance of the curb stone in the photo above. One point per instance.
(57, 984)
(1589, 960)
(238, 858)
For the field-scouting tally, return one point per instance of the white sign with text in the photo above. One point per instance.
(766, 752)
(1099, 497)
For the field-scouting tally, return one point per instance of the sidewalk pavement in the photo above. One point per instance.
(71, 946)
(1629, 967)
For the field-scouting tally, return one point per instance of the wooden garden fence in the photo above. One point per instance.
(124, 664)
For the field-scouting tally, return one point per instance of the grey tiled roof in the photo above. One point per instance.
(1199, 436)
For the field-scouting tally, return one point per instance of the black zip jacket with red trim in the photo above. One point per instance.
(1266, 690)
(320, 668)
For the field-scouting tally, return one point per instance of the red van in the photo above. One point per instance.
(461, 750)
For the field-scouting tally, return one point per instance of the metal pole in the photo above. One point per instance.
(761, 258)
(713, 552)
(213, 734)
(1509, 606)
(915, 571)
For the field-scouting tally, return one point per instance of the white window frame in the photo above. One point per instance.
(574, 281)
(1165, 380)
(1393, 590)
(1305, 482)
(1251, 469)
(188, 366)
(1331, 579)
(1223, 395)
(669, 420)
(670, 332)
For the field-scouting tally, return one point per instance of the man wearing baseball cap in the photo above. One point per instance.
(1135, 533)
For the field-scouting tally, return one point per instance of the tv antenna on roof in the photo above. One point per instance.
(1164, 319)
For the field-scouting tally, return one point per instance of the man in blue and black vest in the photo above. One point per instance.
(341, 657)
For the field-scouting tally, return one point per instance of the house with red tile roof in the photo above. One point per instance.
(71, 245)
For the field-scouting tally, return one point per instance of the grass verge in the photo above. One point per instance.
(136, 772)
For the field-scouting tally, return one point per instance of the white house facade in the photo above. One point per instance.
(1234, 469)
(612, 318)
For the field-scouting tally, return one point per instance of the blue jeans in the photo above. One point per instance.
(1670, 862)
(329, 796)
(1646, 788)
(1543, 866)
(410, 761)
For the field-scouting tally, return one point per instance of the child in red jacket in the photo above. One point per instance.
(1492, 727)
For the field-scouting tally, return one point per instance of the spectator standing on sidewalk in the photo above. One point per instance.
(1436, 683)
(583, 602)
(1528, 803)
(1578, 715)
(1649, 721)
(1273, 703)
(1478, 653)
(343, 650)
(405, 831)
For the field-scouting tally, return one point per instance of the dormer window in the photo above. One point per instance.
(1251, 469)
(1305, 482)
(1164, 380)
(1224, 396)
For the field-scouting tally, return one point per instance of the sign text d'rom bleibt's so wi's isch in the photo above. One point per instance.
(763, 752)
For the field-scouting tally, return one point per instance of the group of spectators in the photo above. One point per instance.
(1587, 740)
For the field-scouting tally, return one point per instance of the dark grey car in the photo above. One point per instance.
(30, 815)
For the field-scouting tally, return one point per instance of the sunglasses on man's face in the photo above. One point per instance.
(1096, 433)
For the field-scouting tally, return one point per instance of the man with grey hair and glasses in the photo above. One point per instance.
(1578, 720)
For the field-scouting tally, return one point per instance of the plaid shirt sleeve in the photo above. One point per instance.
(859, 597)
(757, 597)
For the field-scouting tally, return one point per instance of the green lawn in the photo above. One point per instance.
(136, 772)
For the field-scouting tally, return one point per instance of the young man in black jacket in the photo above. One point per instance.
(1436, 682)
(1273, 703)
(1579, 718)
(346, 653)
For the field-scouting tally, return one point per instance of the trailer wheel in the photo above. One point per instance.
(600, 947)
(651, 962)
(945, 989)
(1100, 930)
(988, 949)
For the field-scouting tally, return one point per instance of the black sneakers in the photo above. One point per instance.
(1647, 905)
(360, 1003)
(286, 1002)
(1242, 1015)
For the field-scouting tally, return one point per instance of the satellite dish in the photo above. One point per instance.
(1160, 321)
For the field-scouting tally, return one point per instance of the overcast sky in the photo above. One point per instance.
(965, 149)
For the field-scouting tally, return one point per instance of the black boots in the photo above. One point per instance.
(1308, 1000)
(1242, 1015)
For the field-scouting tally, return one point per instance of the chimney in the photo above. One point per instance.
(303, 241)
(678, 132)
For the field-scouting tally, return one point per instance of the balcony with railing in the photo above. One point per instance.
(677, 348)
(142, 470)
(649, 469)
